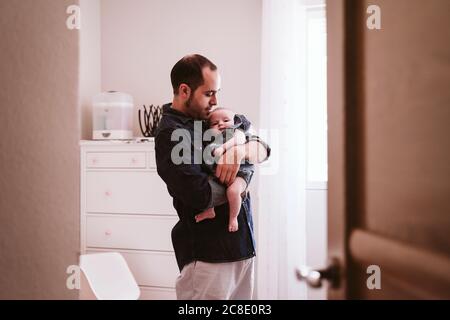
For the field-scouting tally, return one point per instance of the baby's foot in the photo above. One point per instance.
(233, 225)
(208, 214)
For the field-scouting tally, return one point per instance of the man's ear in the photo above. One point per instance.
(184, 91)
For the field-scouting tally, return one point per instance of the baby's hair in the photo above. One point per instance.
(214, 110)
(217, 109)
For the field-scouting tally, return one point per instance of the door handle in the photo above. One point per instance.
(314, 278)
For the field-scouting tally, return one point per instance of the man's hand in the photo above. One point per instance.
(218, 152)
(229, 163)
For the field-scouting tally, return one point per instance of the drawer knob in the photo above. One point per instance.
(94, 161)
(107, 193)
(108, 233)
(133, 161)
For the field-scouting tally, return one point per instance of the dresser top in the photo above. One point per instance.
(136, 142)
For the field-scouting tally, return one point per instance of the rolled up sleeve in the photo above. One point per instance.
(251, 137)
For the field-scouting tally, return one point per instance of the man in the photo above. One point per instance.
(214, 263)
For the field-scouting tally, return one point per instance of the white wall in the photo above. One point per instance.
(90, 74)
(141, 41)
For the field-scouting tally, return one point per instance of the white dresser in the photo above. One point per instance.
(126, 208)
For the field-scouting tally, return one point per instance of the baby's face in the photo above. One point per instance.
(221, 119)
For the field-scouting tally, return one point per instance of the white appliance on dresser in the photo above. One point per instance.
(126, 208)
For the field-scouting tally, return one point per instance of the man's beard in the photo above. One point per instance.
(189, 101)
(193, 111)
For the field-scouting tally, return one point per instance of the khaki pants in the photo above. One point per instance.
(216, 281)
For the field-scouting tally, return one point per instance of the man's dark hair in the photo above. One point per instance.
(189, 71)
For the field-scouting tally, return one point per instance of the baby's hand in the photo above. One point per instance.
(218, 152)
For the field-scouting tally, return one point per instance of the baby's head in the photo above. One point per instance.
(221, 118)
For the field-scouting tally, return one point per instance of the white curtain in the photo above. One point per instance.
(281, 217)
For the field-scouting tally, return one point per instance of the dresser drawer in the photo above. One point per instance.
(154, 269)
(130, 232)
(157, 294)
(127, 192)
(151, 160)
(116, 160)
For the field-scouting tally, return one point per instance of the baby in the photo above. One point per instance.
(233, 129)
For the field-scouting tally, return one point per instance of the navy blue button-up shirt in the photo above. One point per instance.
(187, 183)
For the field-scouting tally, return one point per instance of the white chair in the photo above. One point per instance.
(106, 276)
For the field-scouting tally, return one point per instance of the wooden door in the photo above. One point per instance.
(389, 155)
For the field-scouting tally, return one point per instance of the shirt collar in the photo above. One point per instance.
(168, 110)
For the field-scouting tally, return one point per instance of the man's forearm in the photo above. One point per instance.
(254, 151)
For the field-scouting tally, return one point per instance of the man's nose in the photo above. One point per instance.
(213, 101)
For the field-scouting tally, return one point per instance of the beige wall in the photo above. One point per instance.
(142, 40)
(39, 166)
